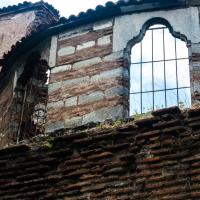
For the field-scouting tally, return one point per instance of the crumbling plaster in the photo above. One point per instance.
(184, 21)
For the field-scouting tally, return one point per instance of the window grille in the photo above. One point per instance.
(159, 72)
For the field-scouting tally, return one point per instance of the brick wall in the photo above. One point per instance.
(89, 83)
(21, 101)
(90, 66)
(6, 98)
(155, 158)
(195, 73)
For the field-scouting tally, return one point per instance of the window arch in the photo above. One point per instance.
(159, 70)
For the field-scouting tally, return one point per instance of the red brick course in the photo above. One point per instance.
(156, 158)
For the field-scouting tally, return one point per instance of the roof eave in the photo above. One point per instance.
(27, 6)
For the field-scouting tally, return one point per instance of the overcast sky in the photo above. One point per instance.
(66, 7)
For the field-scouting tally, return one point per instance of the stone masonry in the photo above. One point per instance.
(89, 83)
(89, 57)
(90, 66)
(68, 154)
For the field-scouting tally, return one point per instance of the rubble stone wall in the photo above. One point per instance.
(14, 27)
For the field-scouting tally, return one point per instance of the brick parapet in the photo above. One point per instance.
(149, 159)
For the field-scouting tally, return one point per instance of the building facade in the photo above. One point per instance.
(88, 58)
(60, 77)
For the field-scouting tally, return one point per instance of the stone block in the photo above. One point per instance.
(117, 91)
(85, 45)
(73, 82)
(125, 74)
(102, 25)
(72, 101)
(87, 63)
(114, 56)
(73, 122)
(103, 114)
(71, 34)
(50, 128)
(62, 68)
(57, 104)
(95, 96)
(105, 40)
(195, 48)
(196, 66)
(108, 74)
(66, 51)
(53, 87)
(75, 32)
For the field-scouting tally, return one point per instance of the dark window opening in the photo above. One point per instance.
(159, 72)
(31, 94)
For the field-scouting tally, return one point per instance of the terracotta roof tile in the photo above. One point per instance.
(27, 5)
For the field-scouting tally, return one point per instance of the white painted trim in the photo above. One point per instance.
(53, 52)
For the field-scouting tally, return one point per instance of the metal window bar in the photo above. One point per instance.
(167, 89)
(156, 61)
(165, 81)
(153, 91)
(141, 79)
(153, 72)
(176, 71)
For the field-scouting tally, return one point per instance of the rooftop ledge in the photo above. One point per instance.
(169, 120)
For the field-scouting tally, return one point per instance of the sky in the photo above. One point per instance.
(66, 7)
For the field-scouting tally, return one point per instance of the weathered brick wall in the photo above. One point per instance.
(89, 83)
(6, 98)
(156, 158)
(195, 73)
(194, 57)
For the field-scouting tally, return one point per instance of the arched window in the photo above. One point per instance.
(159, 72)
